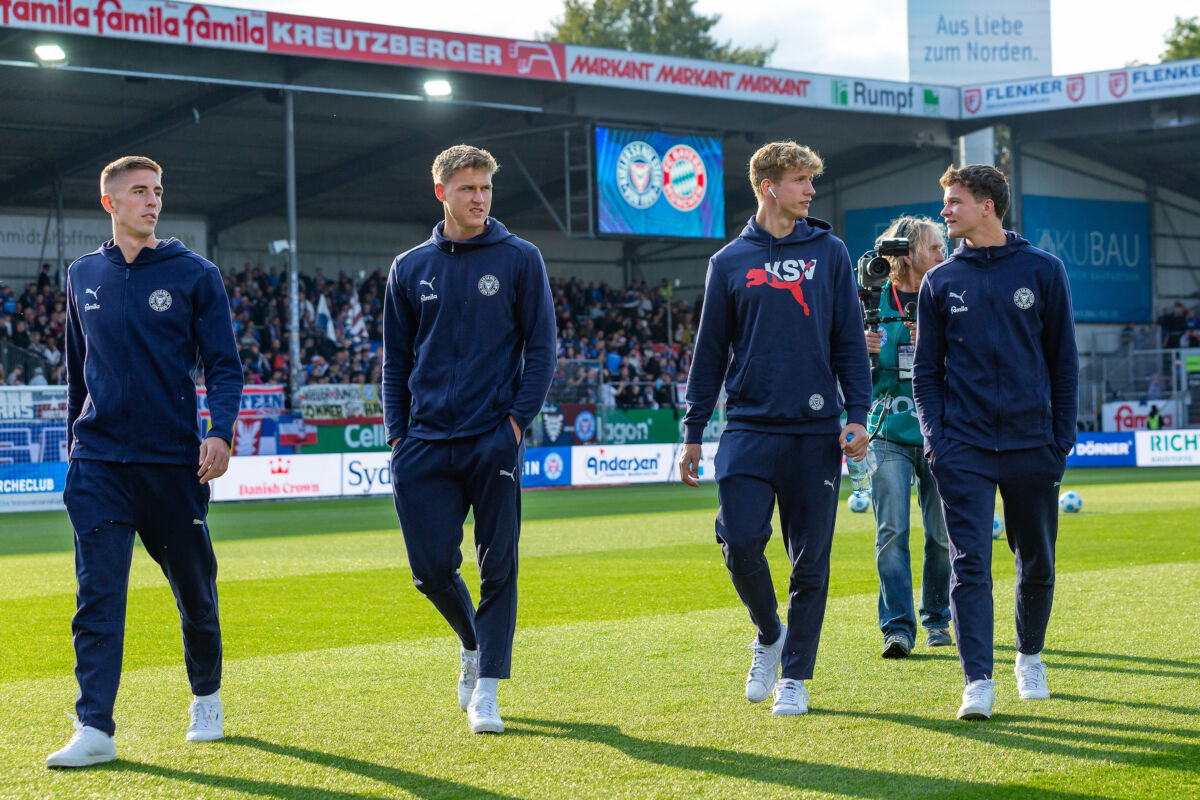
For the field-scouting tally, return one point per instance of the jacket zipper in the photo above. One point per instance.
(128, 371)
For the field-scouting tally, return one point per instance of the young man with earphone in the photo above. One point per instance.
(781, 297)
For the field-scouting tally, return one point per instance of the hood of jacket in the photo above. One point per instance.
(983, 256)
(167, 248)
(493, 233)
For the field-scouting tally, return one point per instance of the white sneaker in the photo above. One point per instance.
(764, 669)
(483, 714)
(207, 721)
(1031, 682)
(466, 677)
(88, 746)
(791, 698)
(978, 699)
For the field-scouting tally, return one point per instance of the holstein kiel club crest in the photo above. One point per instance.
(639, 175)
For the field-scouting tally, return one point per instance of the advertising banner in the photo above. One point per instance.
(257, 402)
(1123, 416)
(32, 487)
(352, 438)
(657, 73)
(1168, 448)
(366, 474)
(1103, 450)
(26, 236)
(658, 184)
(280, 478)
(1105, 246)
(354, 402)
(639, 426)
(1152, 82)
(142, 20)
(260, 31)
(28, 403)
(597, 466)
(409, 47)
(566, 424)
(954, 42)
(546, 466)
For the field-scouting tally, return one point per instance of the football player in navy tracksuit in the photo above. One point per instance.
(469, 353)
(996, 386)
(140, 312)
(783, 298)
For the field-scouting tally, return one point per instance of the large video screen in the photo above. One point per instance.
(658, 184)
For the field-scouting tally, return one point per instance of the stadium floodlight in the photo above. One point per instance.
(50, 55)
(438, 88)
(279, 246)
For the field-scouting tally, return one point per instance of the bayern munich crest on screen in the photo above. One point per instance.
(639, 175)
(684, 177)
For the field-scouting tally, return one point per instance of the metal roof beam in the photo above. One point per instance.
(189, 112)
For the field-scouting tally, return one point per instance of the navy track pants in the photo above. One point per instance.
(167, 506)
(803, 473)
(967, 478)
(434, 482)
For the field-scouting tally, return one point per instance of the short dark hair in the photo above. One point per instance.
(127, 164)
(983, 181)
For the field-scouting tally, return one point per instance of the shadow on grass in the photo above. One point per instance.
(1189, 711)
(794, 774)
(1166, 667)
(1115, 742)
(411, 783)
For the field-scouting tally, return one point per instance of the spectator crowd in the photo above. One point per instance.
(627, 347)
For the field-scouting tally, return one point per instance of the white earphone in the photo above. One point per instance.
(771, 189)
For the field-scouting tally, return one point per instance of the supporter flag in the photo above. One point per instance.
(356, 326)
(325, 319)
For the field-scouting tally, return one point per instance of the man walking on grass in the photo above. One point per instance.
(469, 353)
(995, 379)
(782, 298)
(141, 313)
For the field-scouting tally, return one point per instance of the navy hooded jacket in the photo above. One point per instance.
(468, 336)
(997, 365)
(789, 309)
(133, 336)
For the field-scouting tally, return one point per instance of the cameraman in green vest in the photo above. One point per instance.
(899, 451)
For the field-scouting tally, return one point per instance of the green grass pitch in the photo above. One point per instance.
(628, 669)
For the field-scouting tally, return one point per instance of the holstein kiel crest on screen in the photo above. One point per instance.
(639, 174)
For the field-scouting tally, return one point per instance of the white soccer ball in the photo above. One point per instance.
(997, 526)
(859, 502)
(1070, 502)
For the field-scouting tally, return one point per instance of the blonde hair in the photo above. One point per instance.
(126, 164)
(917, 230)
(772, 160)
(462, 156)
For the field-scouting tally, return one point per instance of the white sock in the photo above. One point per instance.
(469, 653)
(488, 685)
(209, 698)
(1024, 660)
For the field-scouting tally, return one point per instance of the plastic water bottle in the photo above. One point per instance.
(861, 471)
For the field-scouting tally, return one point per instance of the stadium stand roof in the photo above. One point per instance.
(200, 88)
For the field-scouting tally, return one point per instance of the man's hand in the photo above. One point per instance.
(854, 441)
(516, 428)
(689, 464)
(874, 342)
(214, 458)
